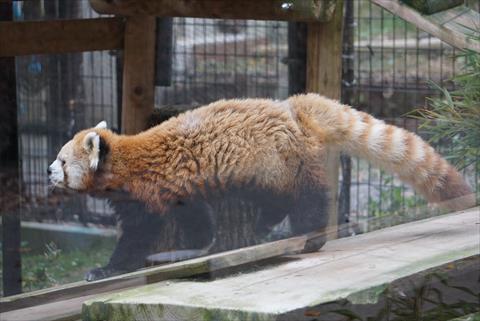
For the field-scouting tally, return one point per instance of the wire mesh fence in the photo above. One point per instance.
(57, 96)
(213, 59)
(394, 63)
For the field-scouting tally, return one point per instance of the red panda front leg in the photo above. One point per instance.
(143, 233)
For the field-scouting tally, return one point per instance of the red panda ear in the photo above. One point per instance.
(91, 144)
(102, 125)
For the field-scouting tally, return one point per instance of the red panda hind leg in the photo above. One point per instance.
(310, 214)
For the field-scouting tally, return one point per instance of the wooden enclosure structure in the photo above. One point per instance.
(308, 288)
(132, 30)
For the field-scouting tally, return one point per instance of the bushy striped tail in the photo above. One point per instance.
(387, 146)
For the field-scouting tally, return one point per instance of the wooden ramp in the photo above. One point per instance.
(455, 26)
(353, 270)
(64, 302)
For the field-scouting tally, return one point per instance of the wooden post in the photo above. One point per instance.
(9, 188)
(297, 57)
(138, 73)
(324, 76)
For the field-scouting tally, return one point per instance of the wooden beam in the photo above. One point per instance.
(207, 264)
(294, 10)
(324, 76)
(60, 36)
(432, 6)
(61, 310)
(435, 24)
(138, 73)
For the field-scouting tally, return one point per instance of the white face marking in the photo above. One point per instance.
(56, 173)
(75, 174)
(66, 170)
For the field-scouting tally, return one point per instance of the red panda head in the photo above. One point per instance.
(78, 160)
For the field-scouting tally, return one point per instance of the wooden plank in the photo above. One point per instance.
(324, 76)
(62, 310)
(407, 43)
(192, 267)
(138, 92)
(430, 25)
(432, 6)
(367, 263)
(60, 36)
(461, 20)
(298, 10)
(63, 292)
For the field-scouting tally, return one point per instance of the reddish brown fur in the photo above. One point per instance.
(167, 163)
(240, 140)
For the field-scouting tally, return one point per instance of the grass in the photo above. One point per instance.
(55, 267)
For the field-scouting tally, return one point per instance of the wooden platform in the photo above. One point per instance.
(64, 302)
(354, 270)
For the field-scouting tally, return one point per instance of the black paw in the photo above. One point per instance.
(101, 273)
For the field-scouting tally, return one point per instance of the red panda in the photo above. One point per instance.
(271, 152)
(258, 139)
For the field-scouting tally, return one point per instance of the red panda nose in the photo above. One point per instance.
(49, 171)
